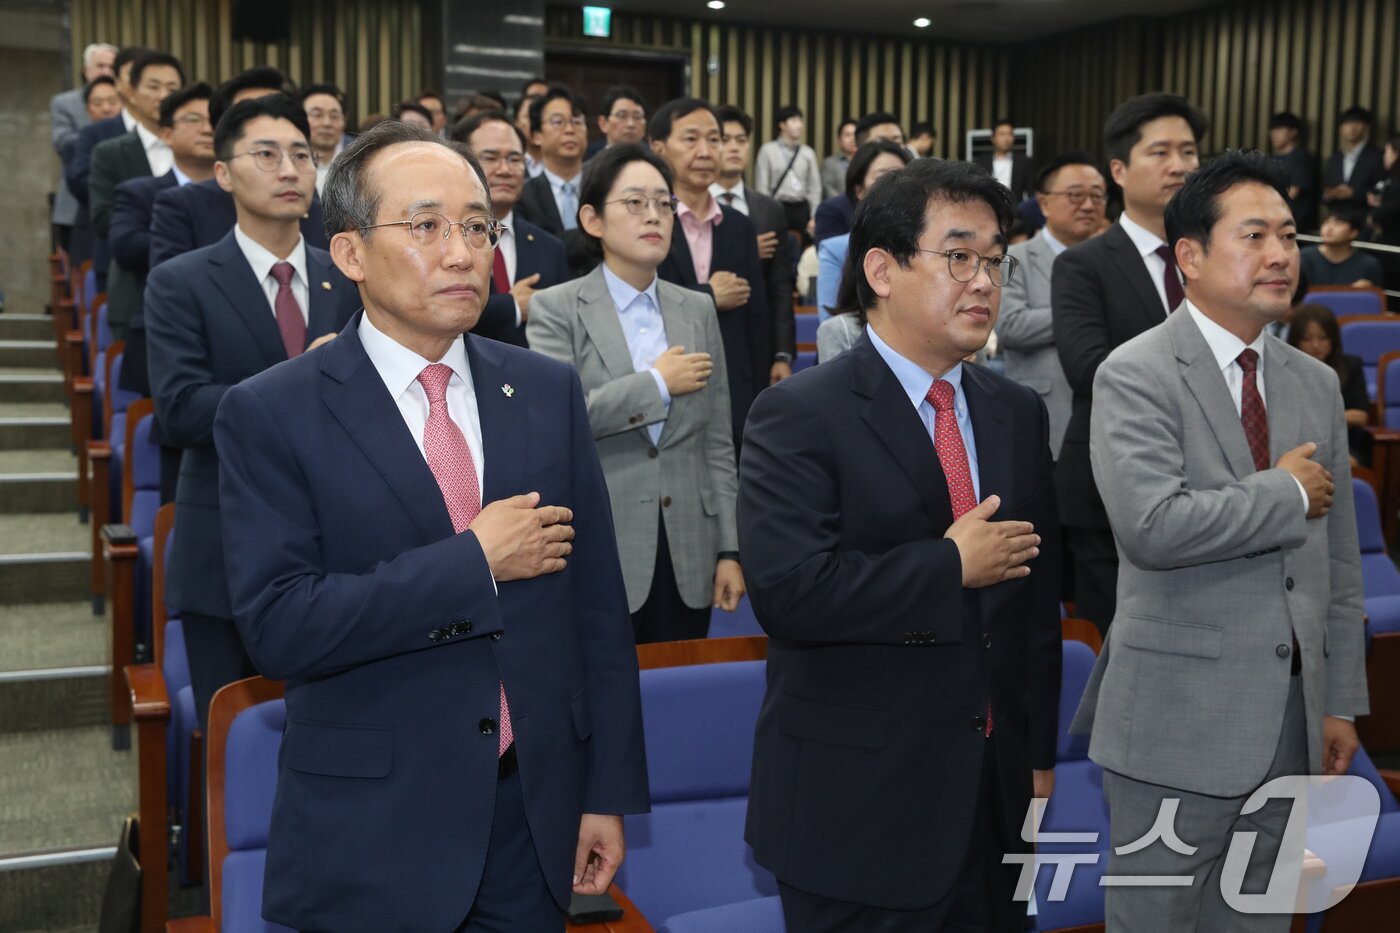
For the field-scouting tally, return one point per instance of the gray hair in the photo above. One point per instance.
(93, 49)
(348, 201)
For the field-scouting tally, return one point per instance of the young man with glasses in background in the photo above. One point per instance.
(558, 125)
(217, 315)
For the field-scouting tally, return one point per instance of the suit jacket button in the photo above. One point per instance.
(487, 726)
(495, 636)
(979, 723)
(665, 502)
(1283, 651)
(438, 634)
(986, 640)
(653, 453)
(1288, 584)
(632, 420)
(461, 628)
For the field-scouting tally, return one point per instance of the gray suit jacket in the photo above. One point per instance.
(1217, 563)
(690, 472)
(67, 117)
(1026, 335)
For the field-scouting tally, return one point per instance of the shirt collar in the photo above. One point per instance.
(1055, 245)
(148, 139)
(556, 182)
(508, 222)
(623, 294)
(128, 120)
(712, 216)
(1224, 346)
(913, 378)
(400, 367)
(1145, 240)
(717, 191)
(262, 260)
(181, 178)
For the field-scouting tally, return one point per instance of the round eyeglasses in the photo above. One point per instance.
(429, 228)
(269, 159)
(636, 204)
(964, 264)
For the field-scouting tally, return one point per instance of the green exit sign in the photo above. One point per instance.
(597, 21)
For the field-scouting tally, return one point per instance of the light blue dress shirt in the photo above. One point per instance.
(565, 197)
(916, 382)
(645, 333)
(831, 259)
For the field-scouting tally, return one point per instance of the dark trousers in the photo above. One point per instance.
(169, 472)
(665, 616)
(513, 897)
(1095, 574)
(217, 658)
(980, 901)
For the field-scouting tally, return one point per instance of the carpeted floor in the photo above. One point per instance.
(63, 788)
(37, 636)
(43, 534)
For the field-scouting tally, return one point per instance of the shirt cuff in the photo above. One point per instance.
(1347, 718)
(661, 386)
(782, 357)
(1303, 492)
(517, 312)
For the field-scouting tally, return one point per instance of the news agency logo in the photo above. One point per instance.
(1330, 825)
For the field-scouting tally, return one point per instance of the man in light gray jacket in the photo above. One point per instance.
(1236, 653)
(67, 117)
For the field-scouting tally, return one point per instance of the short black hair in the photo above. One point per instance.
(1004, 121)
(229, 130)
(841, 127)
(664, 120)
(94, 83)
(920, 128)
(525, 85)
(200, 90)
(330, 89)
(894, 212)
(1123, 129)
(785, 114)
(429, 92)
(127, 55)
(731, 114)
(622, 92)
(871, 120)
(493, 95)
(155, 60)
(263, 77)
(1195, 209)
(410, 106)
(1286, 119)
(1358, 114)
(463, 129)
(541, 101)
(865, 156)
(1073, 157)
(1353, 217)
(600, 174)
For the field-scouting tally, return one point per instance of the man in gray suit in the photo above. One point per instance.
(1235, 656)
(1071, 193)
(67, 117)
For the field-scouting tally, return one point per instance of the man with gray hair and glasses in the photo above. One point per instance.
(419, 543)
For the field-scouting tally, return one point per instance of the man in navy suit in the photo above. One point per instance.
(890, 503)
(418, 541)
(717, 251)
(216, 316)
(550, 199)
(527, 258)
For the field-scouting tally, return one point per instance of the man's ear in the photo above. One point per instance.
(221, 175)
(1119, 170)
(1190, 255)
(346, 254)
(877, 266)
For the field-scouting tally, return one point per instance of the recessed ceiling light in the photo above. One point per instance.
(715, 4)
(923, 22)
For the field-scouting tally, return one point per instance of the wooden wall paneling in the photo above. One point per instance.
(1387, 78)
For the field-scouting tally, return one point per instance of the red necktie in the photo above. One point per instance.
(952, 455)
(1252, 413)
(499, 277)
(1171, 278)
(450, 459)
(289, 320)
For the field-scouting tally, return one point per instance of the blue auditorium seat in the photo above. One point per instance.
(1343, 301)
(1389, 388)
(807, 327)
(805, 358)
(121, 398)
(739, 622)
(250, 780)
(689, 852)
(1368, 340)
(144, 461)
(762, 915)
(1379, 578)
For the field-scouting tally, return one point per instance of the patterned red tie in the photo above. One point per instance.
(1171, 279)
(290, 322)
(952, 455)
(450, 459)
(1252, 413)
(499, 277)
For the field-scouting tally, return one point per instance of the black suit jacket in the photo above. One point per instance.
(835, 216)
(535, 252)
(1369, 169)
(85, 243)
(537, 206)
(202, 214)
(1021, 172)
(779, 273)
(880, 663)
(209, 326)
(113, 162)
(1101, 296)
(129, 236)
(748, 350)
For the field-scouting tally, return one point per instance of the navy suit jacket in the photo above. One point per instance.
(349, 583)
(209, 326)
(880, 663)
(129, 237)
(202, 213)
(76, 169)
(748, 346)
(535, 252)
(835, 216)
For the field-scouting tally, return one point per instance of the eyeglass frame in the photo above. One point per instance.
(282, 155)
(558, 122)
(494, 156)
(654, 203)
(493, 226)
(1098, 197)
(982, 262)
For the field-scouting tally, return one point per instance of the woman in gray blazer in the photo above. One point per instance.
(651, 362)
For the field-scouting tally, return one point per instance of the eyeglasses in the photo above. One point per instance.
(319, 114)
(430, 228)
(1076, 196)
(964, 264)
(628, 116)
(490, 157)
(638, 205)
(557, 122)
(192, 119)
(269, 159)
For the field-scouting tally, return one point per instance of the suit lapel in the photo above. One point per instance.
(1040, 259)
(503, 408)
(1285, 398)
(1203, 377)
(544, 206)
(599, 316)
(234, 278)
(356, 396)
(324, 301)
(680, 255)
(1129, 262)
(991, 432)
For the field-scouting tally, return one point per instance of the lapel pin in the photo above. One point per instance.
(326, 286)
(530, 237)
(508, 389)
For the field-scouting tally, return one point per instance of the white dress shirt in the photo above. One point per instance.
(262, 261)
(1147, 244)
(400, 367)
(1226, 348)
(506, 247)
(128, 120)
(740, 201)
(1349, 159)
(1001, 169)
(158, 154)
